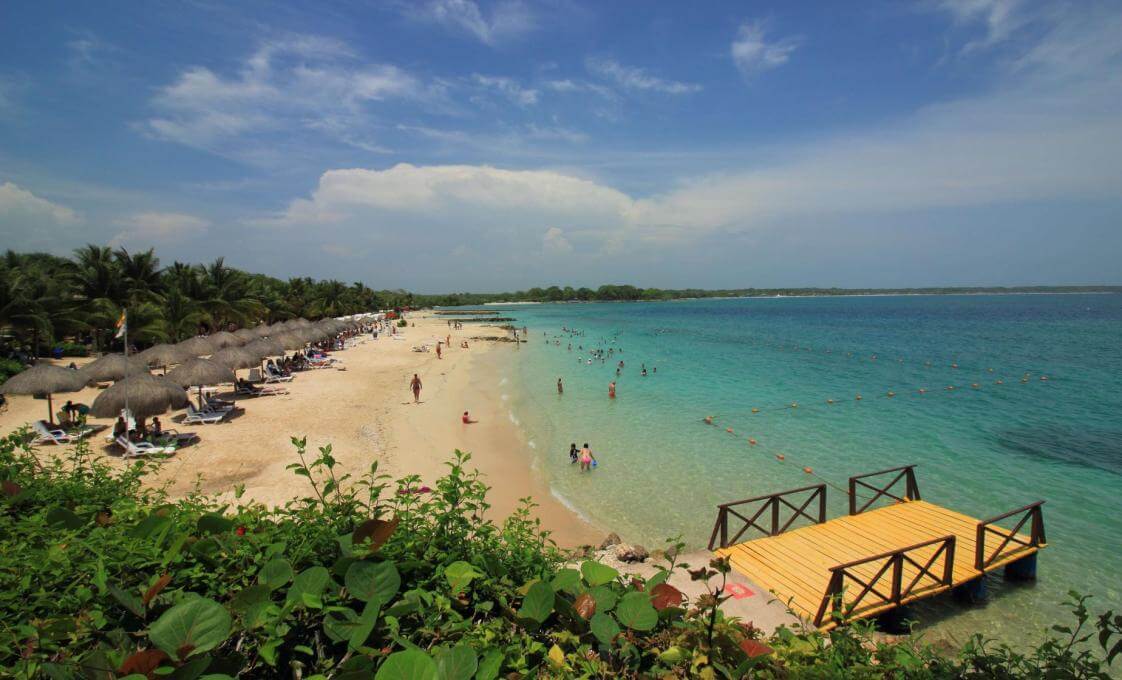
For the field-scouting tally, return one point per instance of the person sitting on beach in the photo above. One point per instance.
(141, 432)
(573, 453)
(586, 458)
(120, 427)
(467, 419)
(157, 429)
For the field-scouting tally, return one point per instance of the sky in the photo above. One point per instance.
(464, 145)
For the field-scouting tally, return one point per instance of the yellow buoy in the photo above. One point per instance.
(794, 404)
(755, 410)
(891, 393)
(829, 401)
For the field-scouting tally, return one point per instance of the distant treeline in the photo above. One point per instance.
(631, 293)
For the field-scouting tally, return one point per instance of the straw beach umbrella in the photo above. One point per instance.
(266, 347)
(144, 395)
(262, 330)
(197, 346)
(236, 357)
(113, 367)
(163, 355)
(224, 339)
(44, 379)
(290, 341)
(245, 335)
(199, 372)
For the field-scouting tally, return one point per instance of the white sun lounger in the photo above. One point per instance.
(271, 377)
(46, 435)
(196, 416)
(138, 449)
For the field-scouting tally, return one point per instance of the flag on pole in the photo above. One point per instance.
(122, 325)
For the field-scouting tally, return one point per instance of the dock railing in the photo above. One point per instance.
(905, 473)
(1032, 511)
(893, 568)
(770, 504)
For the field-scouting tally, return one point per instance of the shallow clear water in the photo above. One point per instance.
(981, 451)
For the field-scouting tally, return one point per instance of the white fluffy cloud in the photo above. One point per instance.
(149, 229)
(752, 52)
(634, 78)
(30, 222)
(507, 19)
(17, 203)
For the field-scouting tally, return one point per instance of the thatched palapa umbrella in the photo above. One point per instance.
(290, 341)
(197, 346)
(163, 355)
(262, 330)
(224, 339)
(236, 357)
(44, 379)
(113, 367)
(245, 335)
(144, 395)
(266, 347)
(199, 372)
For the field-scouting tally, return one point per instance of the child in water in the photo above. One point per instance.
(573, 454)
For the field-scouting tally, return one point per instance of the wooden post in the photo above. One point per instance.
(774, 515)
(897, 575)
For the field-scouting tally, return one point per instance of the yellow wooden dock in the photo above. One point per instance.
(872, 560)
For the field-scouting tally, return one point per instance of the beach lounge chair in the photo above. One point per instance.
(46, 435)
(196, 416)
(178, 437)
(138, 449)
(215, 405)
(247, 390)
(272, 376)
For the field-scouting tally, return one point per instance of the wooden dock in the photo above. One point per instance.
(874, 559)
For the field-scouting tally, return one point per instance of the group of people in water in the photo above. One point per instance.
(583, 456)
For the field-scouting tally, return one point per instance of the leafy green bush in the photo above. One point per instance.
(8, 368)
(72, 349)
(102, 577)
(402, 323)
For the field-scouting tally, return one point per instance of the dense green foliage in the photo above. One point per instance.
(44, 299)
(102, 577)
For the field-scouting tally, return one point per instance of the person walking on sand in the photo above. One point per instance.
(586, 458)
(560, 387)
(466, 419)
(415, 385)
(438, 350)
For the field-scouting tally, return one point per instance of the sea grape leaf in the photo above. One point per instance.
(604, 627)
(250, 603)
(367, 581)
(376, 531)
(635, 611)
(153, 591)
(567, 580)
(490, 665)
(538, 603)
(664, 596)
(143, 662)
(340, 624)
(459, 575)
(276, 573)
(365, 624)
(213, 524)
(596, 574)
(309, 585)
(456, 663)
(61, 517)
(754, 648)
(128, 599)
(605, 597)
(191, 627)
(411, 664)
(585, 605)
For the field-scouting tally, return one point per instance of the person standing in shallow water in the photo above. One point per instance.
(560, 387)
(415, 385)
(612, 390)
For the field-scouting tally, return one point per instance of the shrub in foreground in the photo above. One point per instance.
(103, 577)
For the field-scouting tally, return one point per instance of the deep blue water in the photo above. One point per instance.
(981, 450)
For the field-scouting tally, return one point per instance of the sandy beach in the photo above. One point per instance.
(366, 412)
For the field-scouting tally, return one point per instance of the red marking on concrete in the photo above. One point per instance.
(737, 591)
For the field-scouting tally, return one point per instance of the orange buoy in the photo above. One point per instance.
(708, 420)
(808, 470)
(780, 456)
(751, 441)
(728, 429)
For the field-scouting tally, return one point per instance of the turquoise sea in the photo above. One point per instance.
(982, 450)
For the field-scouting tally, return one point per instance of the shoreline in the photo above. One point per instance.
(365, 413)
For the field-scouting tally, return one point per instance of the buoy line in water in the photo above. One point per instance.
(781, 457)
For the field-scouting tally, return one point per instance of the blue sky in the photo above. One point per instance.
(445, 145)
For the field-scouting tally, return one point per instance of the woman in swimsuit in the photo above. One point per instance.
(586, 458)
